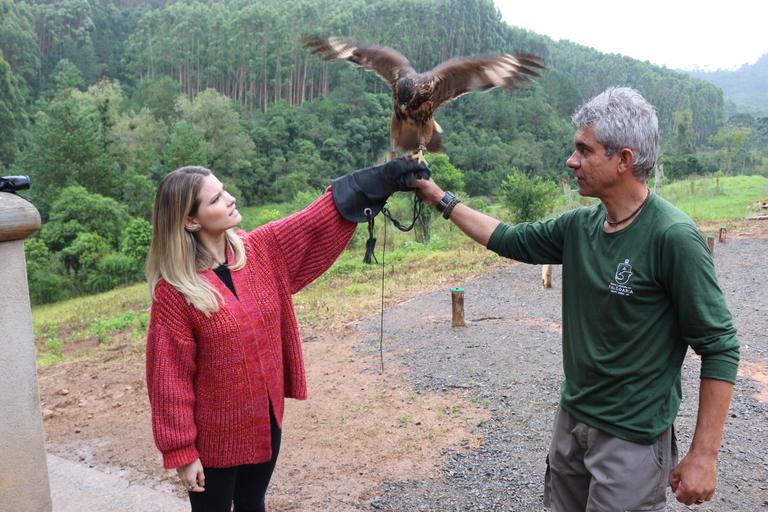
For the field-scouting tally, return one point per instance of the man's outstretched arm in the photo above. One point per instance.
(478, 226)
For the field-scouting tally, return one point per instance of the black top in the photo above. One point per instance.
(226, 277)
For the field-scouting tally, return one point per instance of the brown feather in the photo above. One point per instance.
(388, 63)
(418, 95)
(457, 77)
(405, 135)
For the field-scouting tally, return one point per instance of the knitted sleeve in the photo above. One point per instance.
(312, 239)
(171, 369)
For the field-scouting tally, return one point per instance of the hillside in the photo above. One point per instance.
(99, 99)
(745, 86)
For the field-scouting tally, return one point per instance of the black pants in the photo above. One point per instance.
(246, 485)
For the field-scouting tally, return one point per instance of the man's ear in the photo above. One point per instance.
(626, 160)
(192, 225)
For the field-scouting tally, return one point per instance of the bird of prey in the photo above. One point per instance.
(418, 95)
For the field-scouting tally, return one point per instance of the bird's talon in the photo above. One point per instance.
(419, 156)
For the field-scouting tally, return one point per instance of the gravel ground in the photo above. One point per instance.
(508, 359)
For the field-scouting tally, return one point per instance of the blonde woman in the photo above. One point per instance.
(223, 347)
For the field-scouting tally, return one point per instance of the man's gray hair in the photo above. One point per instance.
(622, 118)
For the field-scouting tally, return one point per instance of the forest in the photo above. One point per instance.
(101, 98)
(744, 87)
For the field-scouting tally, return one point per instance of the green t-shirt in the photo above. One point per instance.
(633, 301)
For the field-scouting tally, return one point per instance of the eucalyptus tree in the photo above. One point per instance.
(67, 147)
(13, 116)
(18, 41)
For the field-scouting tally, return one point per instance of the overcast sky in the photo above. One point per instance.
(679, 34)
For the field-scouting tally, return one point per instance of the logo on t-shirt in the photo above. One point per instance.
(621, 279)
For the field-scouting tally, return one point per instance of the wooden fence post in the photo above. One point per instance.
(658, 182)
(565, 184)
(546, 276)
(722, 234)
(23, 469)
(711, 244)
(457, 303)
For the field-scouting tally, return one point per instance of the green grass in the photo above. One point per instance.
(351, 289)
(81, 311)
(62, 324)
(103, 329)
(712, 199)
(706, 199)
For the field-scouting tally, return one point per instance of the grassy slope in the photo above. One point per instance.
(350, 289)
(711, 199)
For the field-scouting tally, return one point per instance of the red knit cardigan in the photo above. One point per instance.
(209, 379)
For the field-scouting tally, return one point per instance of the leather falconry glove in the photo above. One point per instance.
(359, 196)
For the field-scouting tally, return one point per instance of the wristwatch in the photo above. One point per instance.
(446, 204)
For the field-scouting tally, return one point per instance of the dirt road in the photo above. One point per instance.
(459, 420)
(509, 360)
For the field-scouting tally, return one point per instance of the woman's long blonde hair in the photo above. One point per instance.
(175, 254)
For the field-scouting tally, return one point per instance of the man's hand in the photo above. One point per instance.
(695, 478)
(405, 170)
(427, 190)
(192, 476)
(477, 226)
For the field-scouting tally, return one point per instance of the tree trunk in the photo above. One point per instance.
(324, 86)
(264, 88)
(422, 232)
(304, 82)
(278, 85)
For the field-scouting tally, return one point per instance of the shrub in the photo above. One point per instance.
(528, 198)
(76, 211)
(46, 276)
(48, 285)
(135, 242)
(83, 254)
(114, 269)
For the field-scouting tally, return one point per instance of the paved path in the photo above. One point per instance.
(76, 487)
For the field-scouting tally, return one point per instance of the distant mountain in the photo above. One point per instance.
(746, 86)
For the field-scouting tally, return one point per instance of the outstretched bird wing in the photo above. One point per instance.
(388, 63)
(456, 77)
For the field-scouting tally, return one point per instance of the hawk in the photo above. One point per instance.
(418, 95)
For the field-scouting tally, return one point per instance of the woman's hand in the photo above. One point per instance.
(192, 476)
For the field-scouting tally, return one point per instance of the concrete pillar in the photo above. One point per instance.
(23, 471)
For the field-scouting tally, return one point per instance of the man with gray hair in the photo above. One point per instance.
(639, 288)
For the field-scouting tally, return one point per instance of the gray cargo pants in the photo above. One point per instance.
(589, 470)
